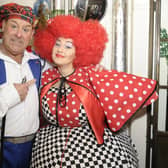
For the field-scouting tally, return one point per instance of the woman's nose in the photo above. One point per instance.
(60, 49)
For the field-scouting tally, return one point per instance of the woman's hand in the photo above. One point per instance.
(99, 68)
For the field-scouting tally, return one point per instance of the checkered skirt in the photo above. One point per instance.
(56, 147)
(64, 147)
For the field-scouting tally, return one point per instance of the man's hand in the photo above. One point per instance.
(22, 88)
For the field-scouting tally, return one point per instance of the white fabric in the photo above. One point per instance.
(22, 118)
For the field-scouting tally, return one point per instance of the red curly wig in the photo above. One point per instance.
(89, 38)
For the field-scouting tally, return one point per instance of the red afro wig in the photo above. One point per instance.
(89, 38)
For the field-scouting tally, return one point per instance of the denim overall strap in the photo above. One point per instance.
(2, 80)
(2, 72)
(35, 66)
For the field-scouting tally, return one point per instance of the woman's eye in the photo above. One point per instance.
(68, 45)
(57, 44)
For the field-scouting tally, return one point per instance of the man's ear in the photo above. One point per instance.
(33, 31)
(3, 24)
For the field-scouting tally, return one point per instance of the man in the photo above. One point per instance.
(19, 81)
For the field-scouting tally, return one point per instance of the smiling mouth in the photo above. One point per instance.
(59, 56)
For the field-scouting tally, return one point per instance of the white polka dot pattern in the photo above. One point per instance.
(125, 93)
(120, 94)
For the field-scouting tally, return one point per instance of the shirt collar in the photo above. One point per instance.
(26, 57)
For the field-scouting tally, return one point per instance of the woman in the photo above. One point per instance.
(82, 109)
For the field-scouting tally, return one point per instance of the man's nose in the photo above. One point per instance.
(19, 32)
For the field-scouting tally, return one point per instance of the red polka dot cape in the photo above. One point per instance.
(107, 95)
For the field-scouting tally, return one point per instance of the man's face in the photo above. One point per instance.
(17, 34)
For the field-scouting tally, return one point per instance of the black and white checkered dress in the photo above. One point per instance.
(66, 147)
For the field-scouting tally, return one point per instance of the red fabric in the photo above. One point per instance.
(91, 105)
(120, 95)
(29, 48)
(93, 109)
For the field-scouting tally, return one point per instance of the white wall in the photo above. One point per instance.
(105, 21)
(140, 67)
(163, 71)
(164, 14)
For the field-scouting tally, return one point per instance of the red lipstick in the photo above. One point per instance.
(59, 56)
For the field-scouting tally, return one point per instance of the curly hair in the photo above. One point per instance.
(89, 38)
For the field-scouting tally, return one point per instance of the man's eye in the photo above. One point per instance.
(13, 26)
(26, 30)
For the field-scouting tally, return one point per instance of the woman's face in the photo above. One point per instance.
(63, 52)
